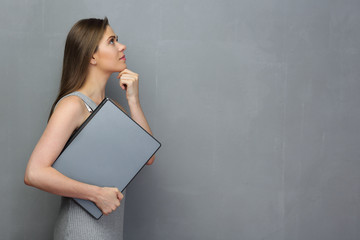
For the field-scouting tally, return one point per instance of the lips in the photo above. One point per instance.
(123, 57)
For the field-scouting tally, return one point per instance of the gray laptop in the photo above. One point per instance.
(108, 150)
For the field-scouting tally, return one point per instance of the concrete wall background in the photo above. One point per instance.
(256, 103)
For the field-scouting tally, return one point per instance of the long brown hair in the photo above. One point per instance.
(81, 43)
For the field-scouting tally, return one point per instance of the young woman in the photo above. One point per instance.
(92, 53)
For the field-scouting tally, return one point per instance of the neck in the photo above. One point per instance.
(94, 86)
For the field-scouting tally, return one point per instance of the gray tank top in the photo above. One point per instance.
(90, 104)
(73, 222)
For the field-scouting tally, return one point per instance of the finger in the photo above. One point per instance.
(127, 72)
(121, 73)
(120, 196)
(127, 81)
(129, 76)
(124, 83)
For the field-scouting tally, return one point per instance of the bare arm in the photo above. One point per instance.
(138, 116)
(129, 81)
(68, 115)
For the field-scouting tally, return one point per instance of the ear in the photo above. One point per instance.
(92, 60)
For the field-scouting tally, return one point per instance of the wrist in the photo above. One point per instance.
(94, 193)
(133, 102)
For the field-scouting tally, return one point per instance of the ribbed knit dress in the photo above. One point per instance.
(74, 223)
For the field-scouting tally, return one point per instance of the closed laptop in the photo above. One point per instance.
(108, 150)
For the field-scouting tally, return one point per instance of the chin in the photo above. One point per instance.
(118, 68)
(123, 67)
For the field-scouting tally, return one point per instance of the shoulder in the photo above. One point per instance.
(69, 102)
(70, 109)
(68, 115)
(71, 105)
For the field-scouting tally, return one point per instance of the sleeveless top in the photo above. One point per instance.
(74, 223)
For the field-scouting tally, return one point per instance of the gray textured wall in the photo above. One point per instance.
(256, 103)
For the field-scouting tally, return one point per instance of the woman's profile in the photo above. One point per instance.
(92, 53)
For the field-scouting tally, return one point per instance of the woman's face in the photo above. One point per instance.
(110, 55)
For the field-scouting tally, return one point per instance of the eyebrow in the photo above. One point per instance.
(113, 36)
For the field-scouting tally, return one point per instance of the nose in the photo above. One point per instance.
(121, 47)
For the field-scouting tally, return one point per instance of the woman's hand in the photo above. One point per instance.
(129, 81)
(108, 199)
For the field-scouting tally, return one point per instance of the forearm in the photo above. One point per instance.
(52, 181)
(138, 115)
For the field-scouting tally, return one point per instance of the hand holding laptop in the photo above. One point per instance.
(108, 199)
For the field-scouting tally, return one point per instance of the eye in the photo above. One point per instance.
(113, 39)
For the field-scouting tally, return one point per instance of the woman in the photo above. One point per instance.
(92, 53)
